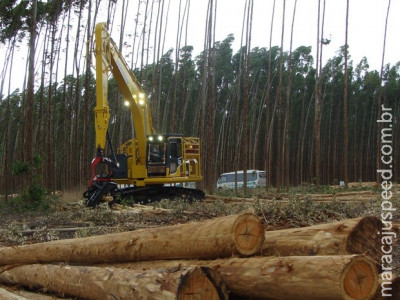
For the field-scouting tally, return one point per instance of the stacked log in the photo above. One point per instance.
(18, 291)
(287, 277)
(203, 260)
(284, 198)
(105, 283)
(353, 236)
(220, 237)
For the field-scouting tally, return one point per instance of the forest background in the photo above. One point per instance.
(304, 118)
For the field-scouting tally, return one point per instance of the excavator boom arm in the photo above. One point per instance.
(109, 59)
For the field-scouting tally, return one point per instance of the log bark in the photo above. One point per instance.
(111, 283)
(293, 277)
(220, 237)
(19, 291)
(7, 295)
(353, 236)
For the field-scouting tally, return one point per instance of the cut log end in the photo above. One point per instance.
(360, 279)
(248, 234)
(364, 238)
(202, 283)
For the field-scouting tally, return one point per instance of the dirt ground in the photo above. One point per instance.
(68, 217)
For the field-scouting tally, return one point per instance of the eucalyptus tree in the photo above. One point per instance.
(302, 92)
(224, 80)
(268, 120)
(378, 133)
(286, 130)
(157, 71)
(363, 107)
(318, 91)
(279, 165)
(5, 112)
(186, 87)
(12, 112)
(345, 105)
(332, 127)
(182, 12)
(245, 140)
(209, 99)
(28, 137)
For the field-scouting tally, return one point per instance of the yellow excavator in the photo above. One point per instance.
(148, 167)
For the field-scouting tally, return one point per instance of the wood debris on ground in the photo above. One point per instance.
(209, 259)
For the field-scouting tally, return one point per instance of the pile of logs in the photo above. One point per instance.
(212, 259)
(284, 198)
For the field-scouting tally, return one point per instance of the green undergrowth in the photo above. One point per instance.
(31, 199)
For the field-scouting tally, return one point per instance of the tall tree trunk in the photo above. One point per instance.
(40, 137)
(6, 171)
(245, 111)
(345, 106)
(258, 112)
(49, 128)
(148, 41)
(186, 90)
(237, 135)
(286, 129)
(28, 144)
(155, 103)
(211, 99)
(378, 132)
(268, 136)
(177, 48)
(318, 96)
(77, 158)
(279, 165)
(143, 37)
(85, 134)
(64, 150)
(135, 35)
(55, 136)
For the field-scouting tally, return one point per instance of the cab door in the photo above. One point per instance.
(156, 166)
(174, 154)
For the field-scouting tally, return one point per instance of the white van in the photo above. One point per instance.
(255, 178)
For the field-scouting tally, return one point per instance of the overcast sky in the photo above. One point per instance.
(366, 28)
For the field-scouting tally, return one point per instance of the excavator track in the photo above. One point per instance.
(148, 194)
(141, 195)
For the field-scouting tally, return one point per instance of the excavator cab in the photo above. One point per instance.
(164, 155)
(169, 158)
(156, 157)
